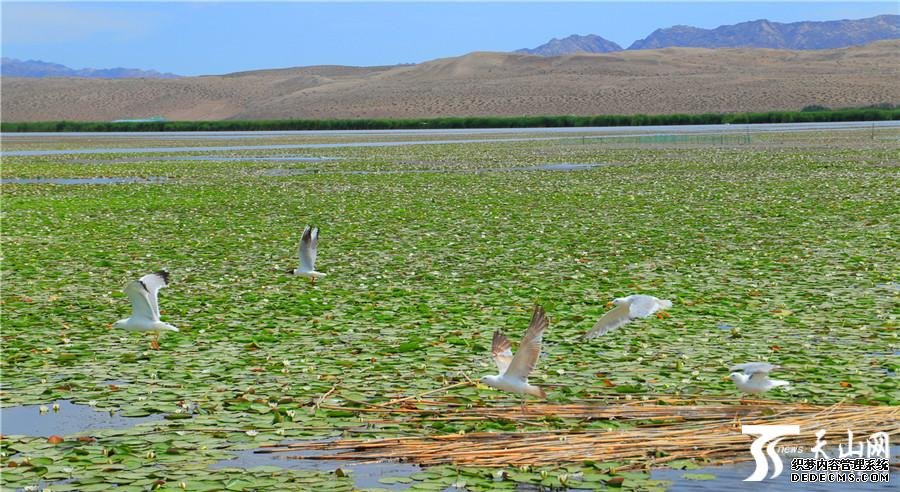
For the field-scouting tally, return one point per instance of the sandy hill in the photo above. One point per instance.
(690, 80)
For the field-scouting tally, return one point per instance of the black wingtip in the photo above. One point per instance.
(165, 276)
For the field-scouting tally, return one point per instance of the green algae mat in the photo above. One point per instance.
(786, 250)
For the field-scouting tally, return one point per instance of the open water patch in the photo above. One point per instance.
(365, 474)
(62, 418)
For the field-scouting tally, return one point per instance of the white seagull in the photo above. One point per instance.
(753, 377)
(309, 244)
(514, 370)
(628, 309)
(145, 307)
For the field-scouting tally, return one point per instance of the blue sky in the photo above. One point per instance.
(194, 38)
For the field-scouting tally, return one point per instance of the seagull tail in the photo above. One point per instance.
(777, 382)
(593, 334)
(538, 392)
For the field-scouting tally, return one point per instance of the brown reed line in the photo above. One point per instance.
(665, 431)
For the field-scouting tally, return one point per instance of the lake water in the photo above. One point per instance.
(610, 132)
(70, 419)
(364, 474)
(727, 477)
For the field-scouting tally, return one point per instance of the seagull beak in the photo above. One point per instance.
(726, 378)
(610, 304)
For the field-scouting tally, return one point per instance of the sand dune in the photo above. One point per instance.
(672, 80)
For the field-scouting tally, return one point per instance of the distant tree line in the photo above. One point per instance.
(814, 113)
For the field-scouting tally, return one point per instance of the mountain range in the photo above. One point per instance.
(12, 67)
(573, 44)
(807, 35)
(669, 80)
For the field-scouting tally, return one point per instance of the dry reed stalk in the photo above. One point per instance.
(701, 431)
(323, 397)
(413, 397)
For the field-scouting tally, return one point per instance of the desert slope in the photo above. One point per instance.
(671, 80)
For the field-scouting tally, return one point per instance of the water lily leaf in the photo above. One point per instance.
(394, 480)
(698, 476)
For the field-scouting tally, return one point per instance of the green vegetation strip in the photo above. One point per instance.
(824, 115)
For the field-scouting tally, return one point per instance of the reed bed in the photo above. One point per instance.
(664, 431)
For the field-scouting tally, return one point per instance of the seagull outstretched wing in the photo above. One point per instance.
(143, 295)
(309, 243)
(530, 348)
(614, 318)
(501, 351)
(753, 368)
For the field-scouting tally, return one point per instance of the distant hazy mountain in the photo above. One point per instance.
(573, 44)
(754, 34)
(11, 67)
(767, 34)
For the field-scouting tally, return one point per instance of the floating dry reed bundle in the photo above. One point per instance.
(665, 431)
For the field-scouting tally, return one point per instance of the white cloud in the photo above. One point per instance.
(51, 23)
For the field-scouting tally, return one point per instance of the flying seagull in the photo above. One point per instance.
(309, 244)
(628, 309)
(753, 377)
(145, 307)
(514, 370)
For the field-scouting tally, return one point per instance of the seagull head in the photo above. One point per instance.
(616, 301)
(488, 379)
(738, 377)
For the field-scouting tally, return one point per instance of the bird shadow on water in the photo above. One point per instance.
(62, 418)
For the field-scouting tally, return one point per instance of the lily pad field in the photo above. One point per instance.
(776, 246)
